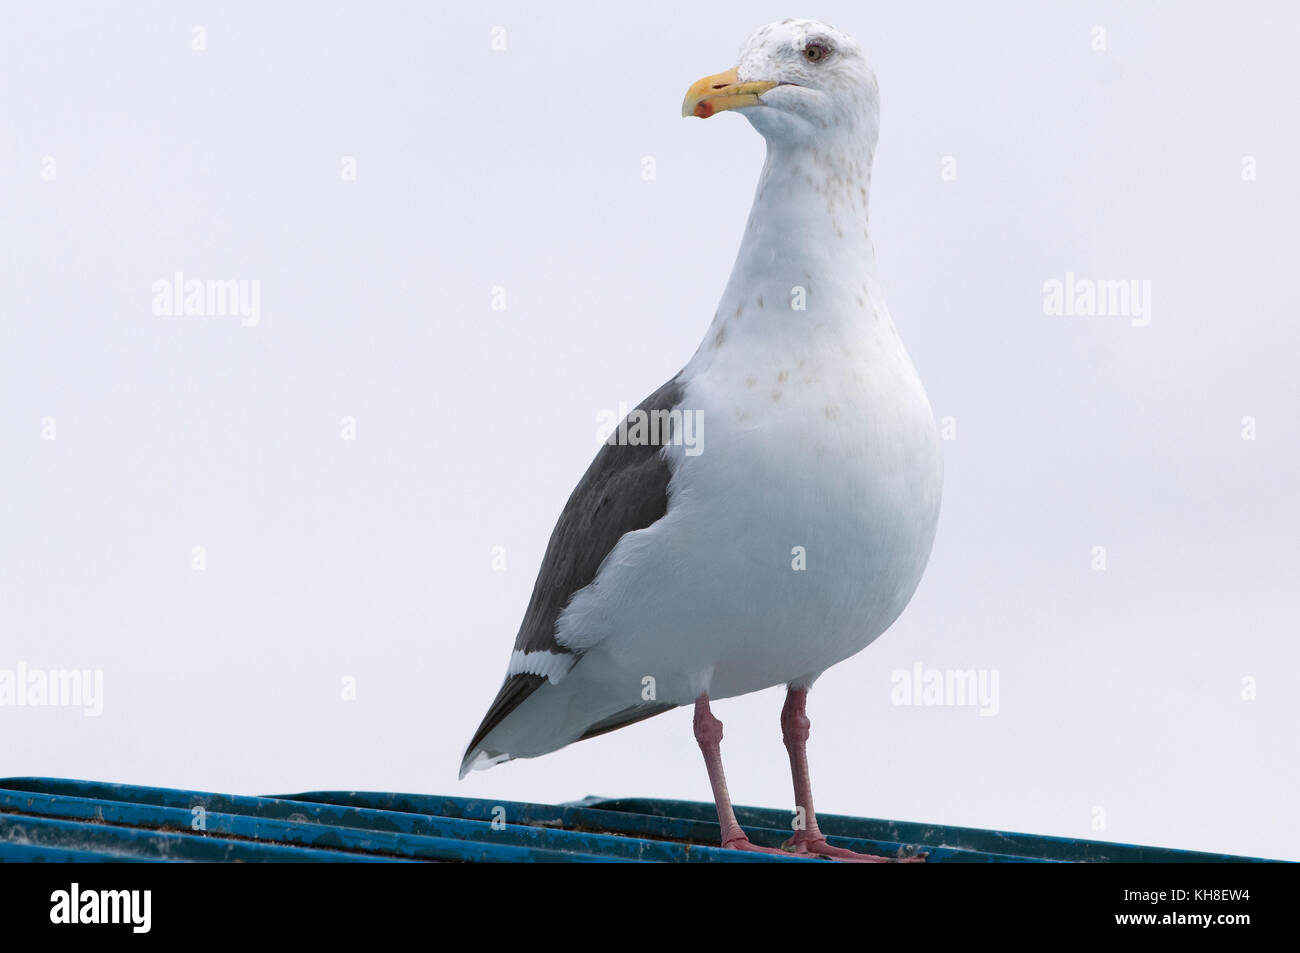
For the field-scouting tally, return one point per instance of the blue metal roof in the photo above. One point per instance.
(56, 819)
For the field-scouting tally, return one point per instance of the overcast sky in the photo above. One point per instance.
(462, 258)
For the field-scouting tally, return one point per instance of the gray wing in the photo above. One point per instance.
(625, 489)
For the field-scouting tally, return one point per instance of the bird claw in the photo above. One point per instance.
(744, 843)
(815, 846)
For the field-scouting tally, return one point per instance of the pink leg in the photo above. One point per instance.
(708, 732)
(808, 839)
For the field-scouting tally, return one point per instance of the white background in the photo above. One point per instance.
(1120, 690)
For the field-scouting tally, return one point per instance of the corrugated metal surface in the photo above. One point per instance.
(62, 820)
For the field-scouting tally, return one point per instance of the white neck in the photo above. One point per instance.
(806, 244)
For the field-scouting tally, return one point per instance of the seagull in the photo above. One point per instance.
(685, 570)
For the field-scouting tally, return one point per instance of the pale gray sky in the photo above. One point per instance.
(1126, 709)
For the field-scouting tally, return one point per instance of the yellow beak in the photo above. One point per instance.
(713, 94)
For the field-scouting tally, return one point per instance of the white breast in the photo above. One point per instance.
(794, 538)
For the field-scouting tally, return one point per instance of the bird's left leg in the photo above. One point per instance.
(808, 838)
(708, 732)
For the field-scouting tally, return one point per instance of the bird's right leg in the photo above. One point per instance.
(708, 732)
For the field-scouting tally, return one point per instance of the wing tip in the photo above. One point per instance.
(476, 759)
(514, 690)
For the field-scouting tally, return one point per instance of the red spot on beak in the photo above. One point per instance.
(704, 109)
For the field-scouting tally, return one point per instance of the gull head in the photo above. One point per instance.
(796, 81)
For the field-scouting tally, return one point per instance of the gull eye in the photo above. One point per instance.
(816, 52)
